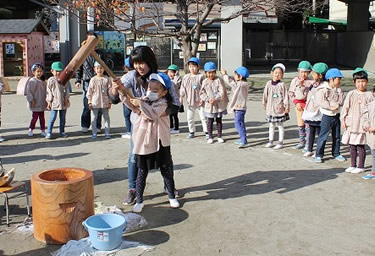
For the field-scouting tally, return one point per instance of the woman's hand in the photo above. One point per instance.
(211, 101)
(90, 106)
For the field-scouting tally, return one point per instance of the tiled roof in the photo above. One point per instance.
(20, 26)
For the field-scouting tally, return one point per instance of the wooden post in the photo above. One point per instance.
(61, 200)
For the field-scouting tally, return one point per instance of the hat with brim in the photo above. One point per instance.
(279, 65)
(357, 70)
(209, 66)
(320, 68)
(194, 60)
(242, 71)
(304, 66)
(173, 67)
(333, 73)
(97, 64)
(127, 62)
(162, 78)
(58, 66)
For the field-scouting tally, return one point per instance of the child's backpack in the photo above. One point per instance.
(22, 85)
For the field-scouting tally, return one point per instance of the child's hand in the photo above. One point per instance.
(32, 103)
(201, 103)
(371, 129)
(334, 107)
(135, 102)
(223, 72)
(66, 102)
(343, 125)
(286, 111)
(90, 106)
(49, 105)
(211, 101)
(78, 85)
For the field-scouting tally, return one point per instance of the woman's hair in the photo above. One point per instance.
(144, 54)
(360, 75)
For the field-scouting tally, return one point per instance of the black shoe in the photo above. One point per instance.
(130, 198)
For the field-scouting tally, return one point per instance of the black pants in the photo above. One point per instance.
(174, 120)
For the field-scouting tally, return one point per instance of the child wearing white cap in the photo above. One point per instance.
(238, 103)
(98, 99)
(151, 137)
(214, 95)
(276, 104)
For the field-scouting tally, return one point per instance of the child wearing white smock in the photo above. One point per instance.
(276, 103)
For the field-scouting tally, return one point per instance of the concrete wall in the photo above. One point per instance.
(231, 40)
(356, 49)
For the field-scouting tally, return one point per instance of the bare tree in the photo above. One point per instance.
(147, 17)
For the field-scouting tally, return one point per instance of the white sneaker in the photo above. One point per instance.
(174, 203)
(313, 156)
(278, 146)
(358, 170)
(350, 169)
(138, 207)
(126, 135)
(43, 134)
(210, 141)
(220, 140)
(30, 134)
(175, 131)
(269, 145)
(308, 153)
(85, 129)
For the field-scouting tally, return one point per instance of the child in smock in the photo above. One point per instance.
(214, 95)
(98, 99)
(276, 103)
(330, 97)
(36, 91)
(352, 122)
(190, 88)
(57, 100)
(368, 121)
(311, 114)
(151, 136)
(298, 94)
(238, 103)
(172, 72)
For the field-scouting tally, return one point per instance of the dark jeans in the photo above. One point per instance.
(132, 165)
(314, 129)
(174, 122)
(86, 113)
(327, 125)
(239, 123)
(126, 112)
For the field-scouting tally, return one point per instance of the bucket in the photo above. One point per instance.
(105, 230)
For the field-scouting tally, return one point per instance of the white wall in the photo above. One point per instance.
(231, 40)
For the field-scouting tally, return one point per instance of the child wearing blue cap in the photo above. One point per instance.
(36, 91)
(330, 97)
(57, 99)
(214, 95)
(151, 137)
(311, 114)
(190, 88)
(98, 99)
(276, 104)
(238, 103)
(351, 119)
(298, 91)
